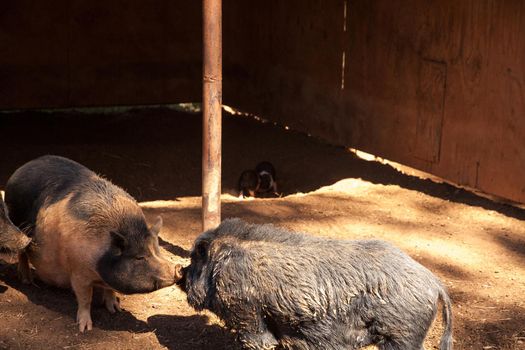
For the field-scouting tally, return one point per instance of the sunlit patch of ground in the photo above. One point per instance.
(478, 253)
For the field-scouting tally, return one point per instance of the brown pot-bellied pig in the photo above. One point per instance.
(86, 233)
(280, 289)
(12, 240)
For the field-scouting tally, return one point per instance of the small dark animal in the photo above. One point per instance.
(249, 183)
(12, 240)
(261, 181)
(86, 233)
(266, 173)
(280, 289)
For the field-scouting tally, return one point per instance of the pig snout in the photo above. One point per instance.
(13, 240)
(163, 273)
(170, 275)
(131, 276)
(21, 242)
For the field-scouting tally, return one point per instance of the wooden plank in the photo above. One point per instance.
(61, 53)
(437, 85)
(484, 128)
(283, 60)
(126, 53)
(33, 55)
(430, 108)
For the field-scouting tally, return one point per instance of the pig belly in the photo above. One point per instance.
(49, 268)
(48, 255)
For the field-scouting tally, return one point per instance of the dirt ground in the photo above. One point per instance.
(477, 247)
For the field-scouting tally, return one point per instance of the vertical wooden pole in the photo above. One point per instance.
(212, 113)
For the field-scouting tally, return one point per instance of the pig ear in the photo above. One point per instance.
(118, 240)
(155, 229)
(201, 248)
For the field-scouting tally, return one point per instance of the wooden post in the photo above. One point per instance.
(211, 113)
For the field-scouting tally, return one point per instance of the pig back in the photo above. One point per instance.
(309, 276)
(41, 183)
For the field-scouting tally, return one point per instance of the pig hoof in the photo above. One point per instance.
(113, 305)
(112, 302)
(84, 321)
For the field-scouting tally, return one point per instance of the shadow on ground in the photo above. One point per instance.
(193, 332)
(172, 331)
(156, 154)
(174, 249)
(63, 301)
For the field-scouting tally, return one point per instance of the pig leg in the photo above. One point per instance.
(264, 340)
(254, 334)
(111, 301)
(401, 346)
(84, 292)
(24, 270)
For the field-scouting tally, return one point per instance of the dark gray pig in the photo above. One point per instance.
(293, 291)
(86, 233)
(12, 240)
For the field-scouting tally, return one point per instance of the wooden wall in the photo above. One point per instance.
(60, 53)
(437, 85)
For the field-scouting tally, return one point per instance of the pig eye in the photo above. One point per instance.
(139, 258)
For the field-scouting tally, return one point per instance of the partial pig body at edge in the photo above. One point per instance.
(12, 240)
